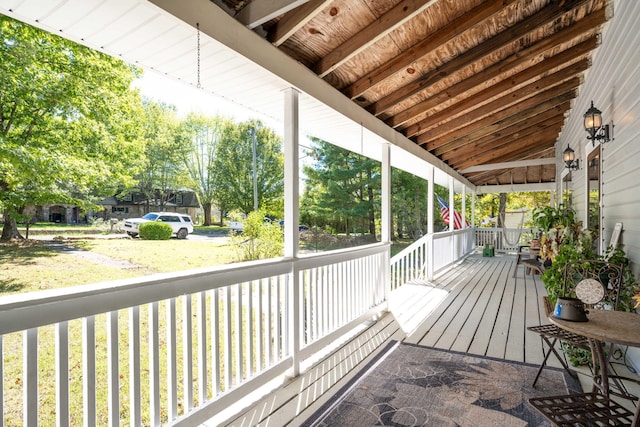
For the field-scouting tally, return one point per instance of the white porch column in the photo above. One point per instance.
(386, 194)
(291, 173)
(464, 206)
(473, 208)
(452, 227)
(385, 215)
(291, 211)
(451, 205)
(430, 230)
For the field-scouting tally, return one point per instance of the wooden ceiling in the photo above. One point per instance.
(483, 85)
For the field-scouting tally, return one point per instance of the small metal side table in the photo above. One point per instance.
(603, 326)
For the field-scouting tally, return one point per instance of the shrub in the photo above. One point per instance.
(155, 231)
(261, 239)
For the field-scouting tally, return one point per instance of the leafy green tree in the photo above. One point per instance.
(68, 123)
(345, 187)
(201, 135)
(233, 169)
(163, 166)
(409, 206)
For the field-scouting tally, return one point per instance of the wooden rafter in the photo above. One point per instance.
(480, 78)
(427, 46)
(544, 17)
(478, 121)
(506, 96)
(398, 15)
(294, 20)
(486, 142)
(484, 82)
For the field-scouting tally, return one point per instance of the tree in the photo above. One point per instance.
(164, 154)
(409, 195)
(233, 169)
(346, 187)
(67, 122)
(202, 135)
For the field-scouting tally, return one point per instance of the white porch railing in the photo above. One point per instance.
(424, 257)
(501, 237)
(177, 347)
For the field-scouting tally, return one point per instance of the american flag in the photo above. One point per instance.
(444, 211)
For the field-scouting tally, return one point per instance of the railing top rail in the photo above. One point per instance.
(306, 261)
(35, 309)
(412, 247)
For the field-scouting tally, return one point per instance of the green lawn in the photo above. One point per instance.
(32, 265)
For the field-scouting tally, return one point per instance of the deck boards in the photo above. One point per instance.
(475, 307)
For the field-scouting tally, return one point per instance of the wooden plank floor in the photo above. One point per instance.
(475, 307)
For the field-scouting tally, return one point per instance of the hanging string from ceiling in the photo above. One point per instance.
(198, 50)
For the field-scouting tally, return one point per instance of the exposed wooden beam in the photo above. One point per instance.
(507, 135)
(381, 27)
(510, 165)
(506, 96)
(428, 45)
(543, 66)
(509, 188)
(514, 142)
(540, 141)
(257, 12)
(548, 14)
(487, 177)
(509, 127)
(484, 125)
(294, 20)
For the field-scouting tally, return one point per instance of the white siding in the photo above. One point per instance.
(613, 83)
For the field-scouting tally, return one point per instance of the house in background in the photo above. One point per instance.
(60, 213)
(136, 204)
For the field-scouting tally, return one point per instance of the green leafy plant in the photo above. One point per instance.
(629, 287)
(260, 239)
(155, 231)
(548, 217)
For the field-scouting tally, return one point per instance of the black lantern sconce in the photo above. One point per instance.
(570, 161)
(593, 125)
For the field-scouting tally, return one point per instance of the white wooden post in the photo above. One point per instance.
(451, 218)
(430, 228)
(30, 379)
(62, 373)
(89, 371)
(386, 213)
(291, 212)
(464, 207)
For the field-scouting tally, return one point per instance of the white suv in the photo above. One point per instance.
(180, 223)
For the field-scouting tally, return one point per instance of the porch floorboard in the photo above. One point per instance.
(475, 307)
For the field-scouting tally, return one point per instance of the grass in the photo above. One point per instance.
(161, 256)
(32, 265)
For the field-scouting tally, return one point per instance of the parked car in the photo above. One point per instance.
(301, 227)
(181, 224)
(236, 226)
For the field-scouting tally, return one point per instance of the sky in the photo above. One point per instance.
(189, 99)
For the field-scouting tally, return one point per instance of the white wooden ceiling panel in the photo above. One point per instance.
(66, 14)
(159, 44)
(96, 27)
(32, 9)
(140, 19)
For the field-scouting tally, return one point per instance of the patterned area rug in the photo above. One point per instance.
(411, 385)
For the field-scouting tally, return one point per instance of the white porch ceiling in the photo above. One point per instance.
(236, 65)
